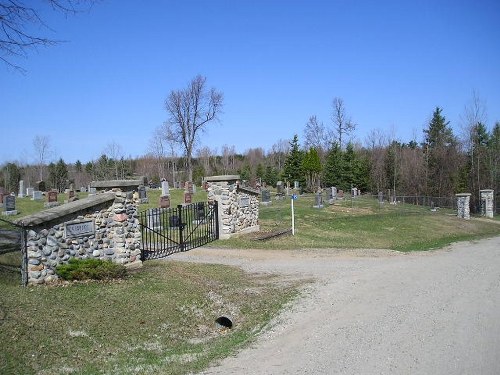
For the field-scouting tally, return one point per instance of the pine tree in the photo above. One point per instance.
(311, 165)
(334, 168)
(442, 156)
(293, 170)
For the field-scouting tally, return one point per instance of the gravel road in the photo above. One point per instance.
(376, 311)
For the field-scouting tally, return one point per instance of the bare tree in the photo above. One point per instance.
(317, 136)
(228, 154)
(205, 156)
(158, 149)
(190, 111)
(342, 123)
(114, 152)
(279, 152)
(474, 140)
(17, 22)
(41, 143)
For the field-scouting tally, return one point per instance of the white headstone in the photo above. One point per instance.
(21, 189)
(164, 189)
(29, 191)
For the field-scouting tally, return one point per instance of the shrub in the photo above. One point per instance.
(95, 269)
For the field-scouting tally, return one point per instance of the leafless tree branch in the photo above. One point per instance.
(17, 20)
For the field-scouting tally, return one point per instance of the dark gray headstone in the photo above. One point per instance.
(142, 192)
(40, 185)
(279, 187)
(9, 202)
(318, 200)
(266, 196)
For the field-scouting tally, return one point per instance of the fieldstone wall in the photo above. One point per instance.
(238, 207)
(104, 226)
(463, 206)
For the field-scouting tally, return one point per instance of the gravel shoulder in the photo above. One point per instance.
(376, 311)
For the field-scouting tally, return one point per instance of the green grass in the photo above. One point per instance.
(362, 223)
(26, 206)
(159, 320)
(176, 198)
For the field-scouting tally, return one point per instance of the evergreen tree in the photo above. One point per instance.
(11, 175)
(271, 176)
(259, 171)
(334, 168)
(78, 166)
(58, 175)
(494, 158)
(442, 157)
(292, 170)
(311, 164)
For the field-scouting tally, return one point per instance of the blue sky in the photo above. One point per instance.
(277, 63)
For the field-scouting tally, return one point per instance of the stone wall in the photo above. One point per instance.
(238, 207)
(104, 226)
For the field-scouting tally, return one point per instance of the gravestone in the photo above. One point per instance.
(37, 195)
(280, 190)
(165, 201)
(380, 197)
(188, 197)
(173, 221)
(40, 185)
(164, 188)
(143, 198)
(354, 192)
(340, 194)
(9, 202)
(296, 185)
(266, 197)
(83, 189)
(21, 189)
(318, 200)
(333, 195)
(199, 214)
(52, 196)
(92, 190)
(153, 218)
(188, 187)
(165, 195)
(52, 199)
(71, 194)
(29, 191)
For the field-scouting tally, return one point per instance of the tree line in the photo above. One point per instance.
(442, 164)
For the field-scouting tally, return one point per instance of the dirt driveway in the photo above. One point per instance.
(377, 312)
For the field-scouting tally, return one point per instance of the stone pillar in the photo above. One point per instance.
(238, 206)
(463, 205)
(486, 202)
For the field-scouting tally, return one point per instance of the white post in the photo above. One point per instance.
(293, 218)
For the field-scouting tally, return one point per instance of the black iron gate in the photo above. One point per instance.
(171, 230)
(13, 240)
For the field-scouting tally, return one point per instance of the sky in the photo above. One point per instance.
(277, 62)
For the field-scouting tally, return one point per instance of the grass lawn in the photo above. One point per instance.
(362, 223)
(162, 318)
(159, 320)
